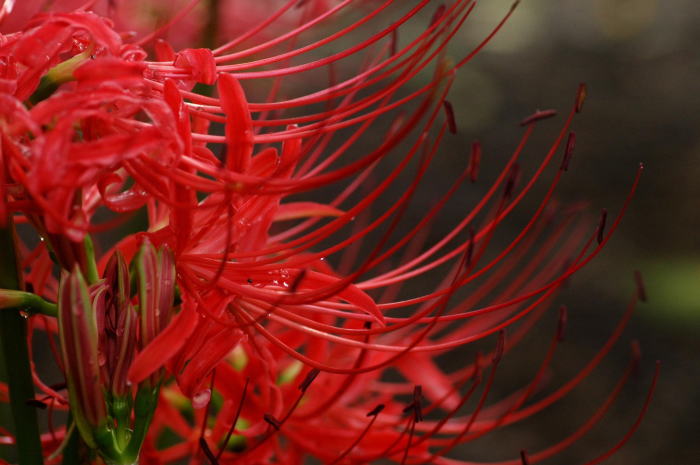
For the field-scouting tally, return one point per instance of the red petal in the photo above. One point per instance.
(296, 210)
(239, 124)
(109, 68)
(199, 62)
(164, 345)
(164, 51)
(220, 342)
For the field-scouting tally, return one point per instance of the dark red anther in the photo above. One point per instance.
(207, 452)
(36, 404)
(636, 354)
(601, 225)
(500, 347)
(477, 368)
(297, 281)
(470, 247)
(450, 113)
(513, 177)
(439, 12)
(475, 161)
(569, 151)
(561, 325)
(581, 97)
(417, 392)
(272, 421)
(636, 350)
(641, 288)
(416, 404)
(524, 457)
(394, 41)
(310, 377)
(538, 116)
(375, 411)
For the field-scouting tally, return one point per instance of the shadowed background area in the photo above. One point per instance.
(641, 66)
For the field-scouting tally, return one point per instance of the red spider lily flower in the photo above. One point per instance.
(254, 273)
(66, 153)
(264, 321)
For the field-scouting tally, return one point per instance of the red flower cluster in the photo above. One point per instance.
(268, 322)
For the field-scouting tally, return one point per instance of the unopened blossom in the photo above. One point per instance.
(251, 321)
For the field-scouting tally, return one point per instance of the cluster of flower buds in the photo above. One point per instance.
(100, 326)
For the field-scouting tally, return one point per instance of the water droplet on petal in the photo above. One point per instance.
(201, 398)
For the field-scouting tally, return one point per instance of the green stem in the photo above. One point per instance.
(13, 333)
(121, 411)
(26, 301)
(91, 272)
(71, 451)
(144, 407)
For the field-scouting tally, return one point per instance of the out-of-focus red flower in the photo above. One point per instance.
(93, 113)
(301, 325)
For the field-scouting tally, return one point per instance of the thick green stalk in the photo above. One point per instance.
(71, 453)
(13, 333)
(144, 407)
(26, 301)
(91, 273)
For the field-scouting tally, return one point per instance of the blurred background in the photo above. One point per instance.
(641, 63)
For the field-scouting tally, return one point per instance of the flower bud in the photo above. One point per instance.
(118, 327)
(79, 342)
(155, 280)
(59, 74)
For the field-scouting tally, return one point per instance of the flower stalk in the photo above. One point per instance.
(27, 302)
(13, 334)
(59, 74)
